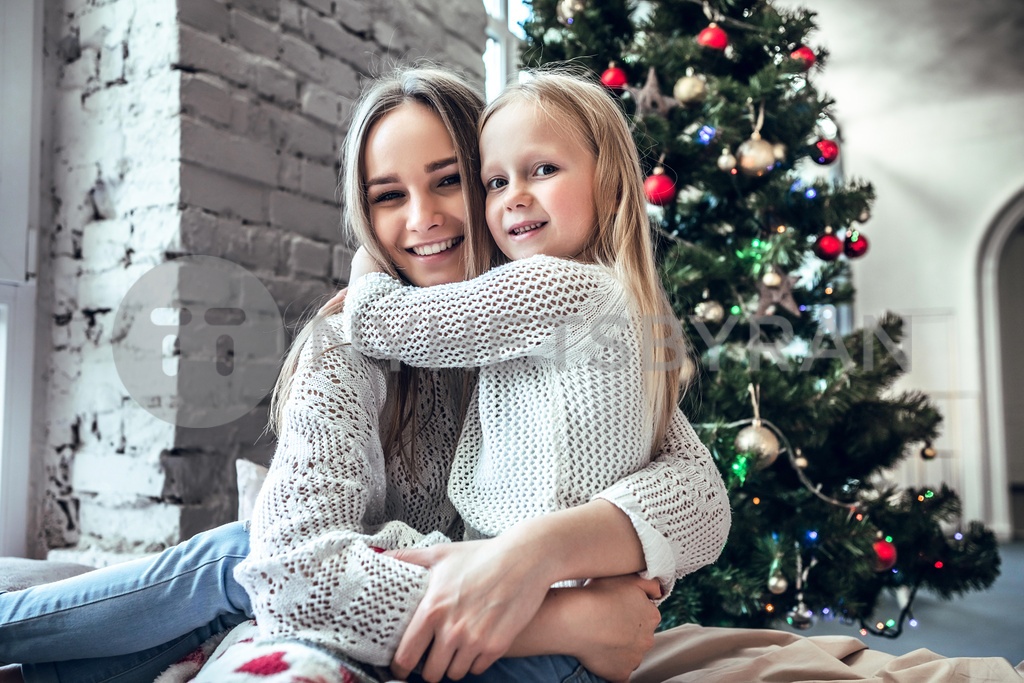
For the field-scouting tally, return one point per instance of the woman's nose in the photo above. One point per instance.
(423, 215)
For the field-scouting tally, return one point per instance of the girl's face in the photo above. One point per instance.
(540, 184)
(414, 193)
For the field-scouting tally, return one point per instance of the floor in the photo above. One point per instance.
(985, 624)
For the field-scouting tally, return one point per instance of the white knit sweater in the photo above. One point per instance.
(557, 418)
(330, 497)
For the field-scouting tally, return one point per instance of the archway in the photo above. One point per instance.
(1001, 302)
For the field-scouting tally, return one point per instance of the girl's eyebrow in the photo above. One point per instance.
(429, 168)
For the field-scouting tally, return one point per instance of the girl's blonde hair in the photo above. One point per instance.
(622, 238)
(458, 106)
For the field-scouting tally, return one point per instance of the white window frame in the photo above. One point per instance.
(21, 78)
(508, 47)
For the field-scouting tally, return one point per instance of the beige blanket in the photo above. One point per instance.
(731, 655)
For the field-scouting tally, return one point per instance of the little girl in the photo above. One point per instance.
(565, 336)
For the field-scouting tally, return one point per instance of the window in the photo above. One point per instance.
(17, 311)
(504, 35)
(21, 57)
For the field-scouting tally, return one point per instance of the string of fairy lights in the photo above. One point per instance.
(759, 442)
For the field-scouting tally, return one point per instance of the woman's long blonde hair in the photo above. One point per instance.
(458, 106)
(622, 239)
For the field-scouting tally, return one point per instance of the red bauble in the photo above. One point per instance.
(659, 188)
(805, 56)
(713, 37)
(885, 555)
(614, 78)
(828, 247)
(827, 152)
(856, 244)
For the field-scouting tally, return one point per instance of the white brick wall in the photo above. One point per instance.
(198, 127)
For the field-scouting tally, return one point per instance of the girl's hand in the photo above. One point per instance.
(363, 263)
(480, 595)
(616, 627)
(334, 304)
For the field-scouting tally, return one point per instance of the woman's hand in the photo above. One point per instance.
(616, 627)
(480, 596)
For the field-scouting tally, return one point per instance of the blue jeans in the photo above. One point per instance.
(130, 621)
(540, 669)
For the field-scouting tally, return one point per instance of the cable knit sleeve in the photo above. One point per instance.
(678, 504)
(540, 306)
(312, 572)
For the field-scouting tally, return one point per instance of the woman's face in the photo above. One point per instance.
(415, 197)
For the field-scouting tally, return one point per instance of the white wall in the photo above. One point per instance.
(929, 98)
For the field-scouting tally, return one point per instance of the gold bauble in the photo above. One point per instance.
(777, 583)
(755, 157)
(928, 452)
(771, 279)
(710, 311)
(760, 441)
(800, 462)
(726, 162)
(690, 89)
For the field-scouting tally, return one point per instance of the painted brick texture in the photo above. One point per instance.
(199, 127)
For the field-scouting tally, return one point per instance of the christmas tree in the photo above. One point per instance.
(755, 230)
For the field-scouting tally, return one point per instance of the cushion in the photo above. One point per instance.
(242, 657)
(17, 573)
(250, 479)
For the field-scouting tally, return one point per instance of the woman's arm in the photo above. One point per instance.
(608, 625)
(538, 307)
(482, 594)
(312, 572)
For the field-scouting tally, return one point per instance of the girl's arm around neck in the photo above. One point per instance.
(536, 307)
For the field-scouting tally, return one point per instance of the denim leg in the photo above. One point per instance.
(128, 607)
(542, 669)
(137, 667)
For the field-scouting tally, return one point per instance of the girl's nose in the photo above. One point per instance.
(517, 197)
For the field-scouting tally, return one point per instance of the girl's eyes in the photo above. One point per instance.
(541, 171)
(449, 180)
